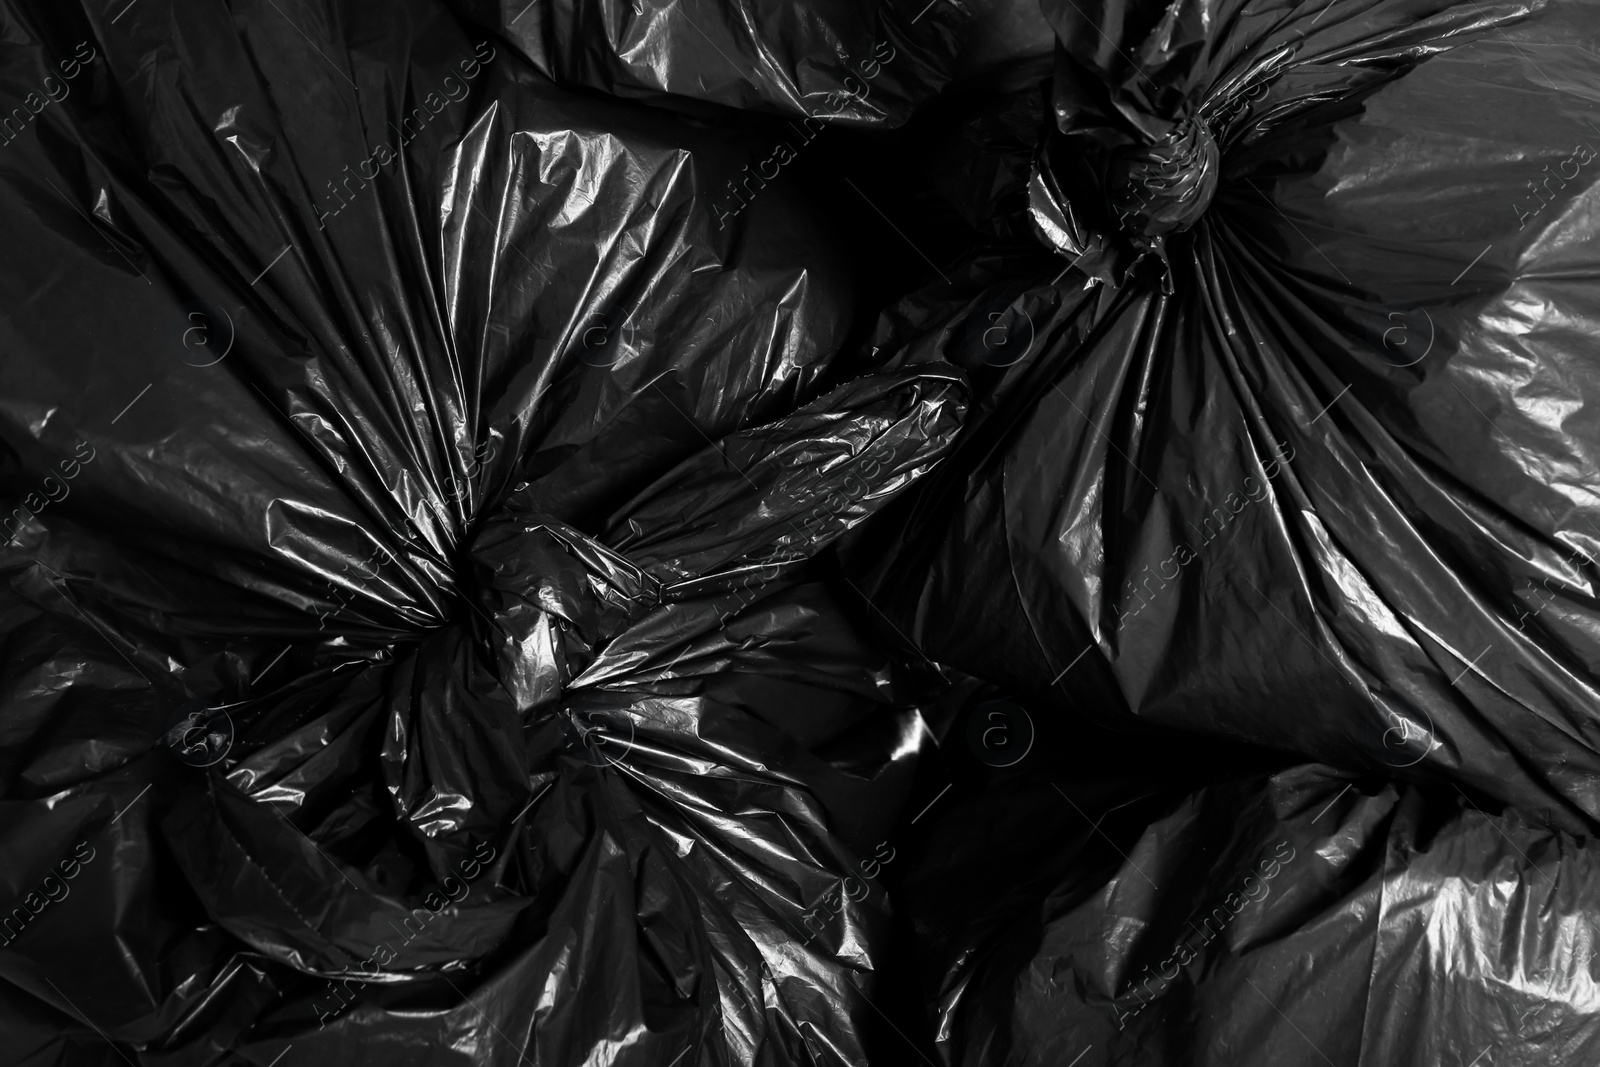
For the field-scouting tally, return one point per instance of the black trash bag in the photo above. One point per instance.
(617, 821)
(1313, 474)
(1302, 918)
(664, 824)
(868, 63)
(332, 313)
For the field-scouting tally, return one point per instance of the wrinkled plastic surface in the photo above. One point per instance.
(862, 63)
(1313, 473)
(409, 417)
(421, 643)
(1305, 917)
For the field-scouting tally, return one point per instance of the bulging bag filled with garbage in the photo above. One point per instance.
(1287, 446)
(486, 579)
(415, 646)
(1305, 916)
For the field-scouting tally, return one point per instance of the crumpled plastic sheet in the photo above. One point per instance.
(1314, 471)
(413, 647)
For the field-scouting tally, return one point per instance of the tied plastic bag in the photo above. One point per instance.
(1309, 476)
(318, 298)
(626, 776)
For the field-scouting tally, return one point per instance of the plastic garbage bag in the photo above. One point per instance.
(668, 808)
(1306, 917)
(1290, 444)
(421, 640)
(412, 649)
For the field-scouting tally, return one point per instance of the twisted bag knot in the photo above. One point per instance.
(1164, 188)
(555, 597)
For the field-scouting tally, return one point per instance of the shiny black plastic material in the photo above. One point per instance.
(862, 63)
(1319, 479)
(1303, 918)
(414, 646)
(628, 663)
